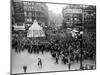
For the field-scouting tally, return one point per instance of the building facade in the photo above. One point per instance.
(90, 18)
(72, 15)
(17, 7)
(80, 15)
(28, 11)
(34, 10)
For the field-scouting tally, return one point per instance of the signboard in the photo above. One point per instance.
(73, 11)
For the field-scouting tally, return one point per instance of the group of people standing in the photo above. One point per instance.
(68, 51)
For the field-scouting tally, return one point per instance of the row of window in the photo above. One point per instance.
(38, 14)
(28, 3)
(32, 8)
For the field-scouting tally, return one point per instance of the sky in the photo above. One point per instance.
(55, 8)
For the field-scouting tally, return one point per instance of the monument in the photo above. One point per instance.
(35, 30)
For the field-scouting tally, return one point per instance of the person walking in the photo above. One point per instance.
(39, 63)
(69, 65)
(25, 68)
(56, 58)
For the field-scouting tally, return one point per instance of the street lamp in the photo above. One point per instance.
(81, 41)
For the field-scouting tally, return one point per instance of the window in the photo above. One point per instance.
(25, 13)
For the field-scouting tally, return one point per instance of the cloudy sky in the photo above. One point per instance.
(55, 8)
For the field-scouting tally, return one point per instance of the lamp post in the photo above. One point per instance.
(81, 41)
(69, 62)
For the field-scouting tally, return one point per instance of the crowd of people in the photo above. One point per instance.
(68, 51)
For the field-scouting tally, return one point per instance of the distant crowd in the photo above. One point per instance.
(67, 50)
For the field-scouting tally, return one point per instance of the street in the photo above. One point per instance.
(31, 61)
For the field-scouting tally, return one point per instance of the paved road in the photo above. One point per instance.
(31, 60)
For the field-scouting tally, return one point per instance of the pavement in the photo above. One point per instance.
(48, 63)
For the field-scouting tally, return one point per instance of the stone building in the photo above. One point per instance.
(28, 11)
(72, 15)
(35, 10)
(83, 16)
